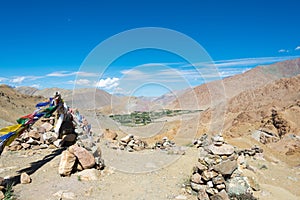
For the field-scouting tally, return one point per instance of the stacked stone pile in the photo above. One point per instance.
(41, 137)
(129, 143)
(216, 175)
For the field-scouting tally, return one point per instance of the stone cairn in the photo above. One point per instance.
(39, 137)
(216, 175)
(129, 143)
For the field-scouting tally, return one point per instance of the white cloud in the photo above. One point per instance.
(60, 74)
(67, 73)
(108, 83)
(18, 80)
(297, 48)
(84, 82)
(3, 79)
(35, 86)
(283, 51)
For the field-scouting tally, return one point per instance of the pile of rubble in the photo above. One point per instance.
(216, 175)
(164, 144)
(129, 143)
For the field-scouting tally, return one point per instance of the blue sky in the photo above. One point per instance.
(44, 43)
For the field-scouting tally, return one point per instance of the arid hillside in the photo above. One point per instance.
(14, 104)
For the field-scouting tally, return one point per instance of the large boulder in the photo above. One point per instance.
(85, 158)
(67, 163)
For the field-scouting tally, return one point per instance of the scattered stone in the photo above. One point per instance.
(220, 196)
(110, 135)
(89, 175)
(25, 145)
(63, 194)
(181, 197)
(25, 178)
(34, 135)
(67, 163)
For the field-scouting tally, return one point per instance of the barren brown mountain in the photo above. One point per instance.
(14, 104)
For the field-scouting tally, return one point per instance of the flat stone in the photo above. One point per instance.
(221, 186)
(181, 197)
(69, 138)
(208, 175)
(25, 178)
(34, 134)
(201, 167)
(47, 126)
(226, 167)
(63, 194)
(202, 195)
(110, 135)
(89, 175)
(196, 186)
(220, 196)
(218, 179)
(196, 178)
(127, 138)
(85, 158)
(225, 149)
(237, 186)
(33, 141)
(25, 145)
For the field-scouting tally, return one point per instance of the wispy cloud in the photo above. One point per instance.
(68, 73)
(81, 82)
(3, 79)
(283, 51)
(297, 48)
(20, 79)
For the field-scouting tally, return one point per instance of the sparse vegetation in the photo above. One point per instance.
(138, 118)
(8, 195)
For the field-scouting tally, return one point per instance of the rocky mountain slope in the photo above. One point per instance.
(222, 90)
(14, 104)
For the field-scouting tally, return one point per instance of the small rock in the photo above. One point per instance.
(218, 179)
(69, 138)
(237, 186)
(208, 175)
(210, 184)
(25, 178)
(201, 167)
(89, 175)
(110, 135)
(127, 138)
(47, 126)
(2, 196)
(226, 167)
(63, 194)
(57, 142)
(196, 186)
(220, 196)
(202, 195)
(33, 141)
(25, 145)
(196, 178)
(34, 134)
(225, 149)
(221, 186)
(181, 197)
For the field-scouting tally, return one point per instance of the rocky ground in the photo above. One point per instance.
(145, 174)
